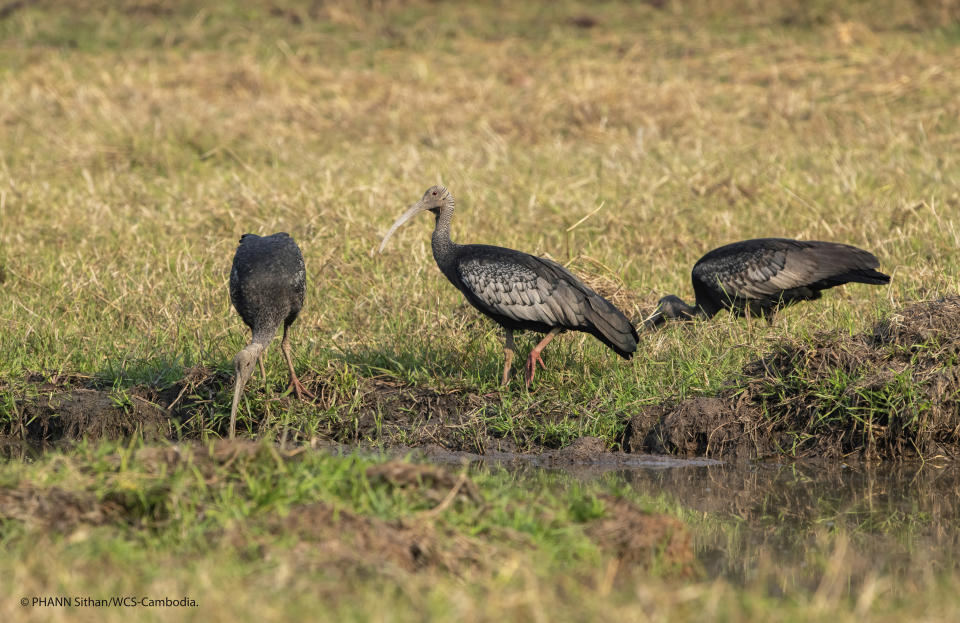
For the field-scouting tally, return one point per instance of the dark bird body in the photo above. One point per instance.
(267, 285)
(758, 277)
(520, 291)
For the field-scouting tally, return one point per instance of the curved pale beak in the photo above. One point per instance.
(409, 214)
(655, 319)
(243, 374)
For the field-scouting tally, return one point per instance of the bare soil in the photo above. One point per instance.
(889, 393)
(91, 414)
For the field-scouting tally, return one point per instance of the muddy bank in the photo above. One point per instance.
(889, 393)
(374, 411)
(90, 414)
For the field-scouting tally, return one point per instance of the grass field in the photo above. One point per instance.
(139, 142)
(139, 139)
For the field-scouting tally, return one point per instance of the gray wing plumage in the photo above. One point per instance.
(766, 269)
(519, 293)
(529, 290)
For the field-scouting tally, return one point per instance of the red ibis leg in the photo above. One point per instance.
(295, 385)
(534, 357)
(508, 351)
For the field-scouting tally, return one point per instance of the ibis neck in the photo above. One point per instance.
(685, 310)
(443, 247)
(262, 338)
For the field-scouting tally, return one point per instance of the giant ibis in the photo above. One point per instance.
(758, 277)
(267, 284)
(519, 291)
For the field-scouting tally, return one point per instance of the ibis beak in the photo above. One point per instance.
(237, 393)
(242, 374)
(655, 319)
(409, 214)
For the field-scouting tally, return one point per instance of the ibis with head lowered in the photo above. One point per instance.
(267, 285)
(758, 277)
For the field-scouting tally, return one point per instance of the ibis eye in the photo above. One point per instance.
(434, 193)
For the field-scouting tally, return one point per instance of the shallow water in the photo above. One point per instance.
(868, 519)
(790, 524)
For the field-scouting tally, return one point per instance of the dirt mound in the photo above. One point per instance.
(327, 535)
(55, 508)
(641, 539)
(93, 414)
(582, 450)
(890, 393)
(422, 415)
(929, 321)
(383, 411)
(701, 426)
(433, 482)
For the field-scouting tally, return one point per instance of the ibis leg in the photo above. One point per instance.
(297, 387)
(508, 351)
(534, 357)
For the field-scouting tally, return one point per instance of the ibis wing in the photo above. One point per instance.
(267, 279)
(514, 288)
(525, 288)
(765, 271)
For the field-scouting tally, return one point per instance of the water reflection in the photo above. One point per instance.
(751, 518)
(789, 525)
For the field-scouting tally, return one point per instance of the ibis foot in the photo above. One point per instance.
(534, 357)
(302, 392)
(531, 367)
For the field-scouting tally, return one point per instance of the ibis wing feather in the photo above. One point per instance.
(267, 281)
(767, 268)
(525, 288)
(507, 289)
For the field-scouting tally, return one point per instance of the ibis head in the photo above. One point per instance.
(670, 306)
(435, 200)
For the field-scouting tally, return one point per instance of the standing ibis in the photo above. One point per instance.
(520, 291)
(758, 277)
(267, 284)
